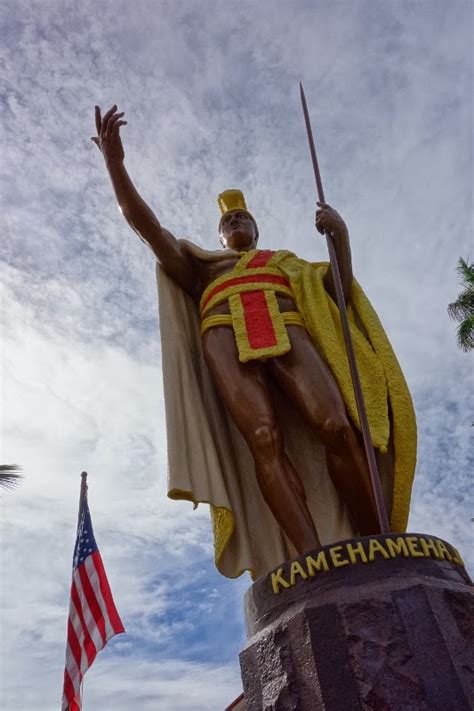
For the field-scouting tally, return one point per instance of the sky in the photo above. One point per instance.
(210, 91)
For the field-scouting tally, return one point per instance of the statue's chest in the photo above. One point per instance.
(213, 270)
(237, 264)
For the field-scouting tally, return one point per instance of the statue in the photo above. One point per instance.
(261, 419)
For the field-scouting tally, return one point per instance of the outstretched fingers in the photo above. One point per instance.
(112, 122)
(98, 119)
(98, 122)
(115, 128)
(108, 139)
(105, 119)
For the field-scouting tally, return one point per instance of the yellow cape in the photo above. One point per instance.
(384, 387)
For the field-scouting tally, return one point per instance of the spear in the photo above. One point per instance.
(369, 450)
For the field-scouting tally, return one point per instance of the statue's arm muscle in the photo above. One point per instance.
(169, 252)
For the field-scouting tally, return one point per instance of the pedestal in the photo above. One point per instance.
(373, 623)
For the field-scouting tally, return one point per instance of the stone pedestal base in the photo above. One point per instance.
(381, 623)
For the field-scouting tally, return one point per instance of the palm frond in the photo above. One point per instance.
(466, 272)
(10, 475)
(462, 310)
(463, 307)
(465, 334)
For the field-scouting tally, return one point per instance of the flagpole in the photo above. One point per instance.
(82, 497)
(91, 599)
(364, 423)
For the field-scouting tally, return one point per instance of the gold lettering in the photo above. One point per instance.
(414, 552)
(353, 551)
(457, 556)
(314, 565)
(296, 569)
(428, 545)
(443, 551)
(337, 559)
(277, 580)
(376, 547)
(397, 547)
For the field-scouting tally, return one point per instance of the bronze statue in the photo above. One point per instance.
(246, 383)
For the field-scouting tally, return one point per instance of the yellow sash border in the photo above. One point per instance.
(229, 291)
(245, 350)
(290, 318)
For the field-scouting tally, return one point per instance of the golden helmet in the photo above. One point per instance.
(232, 201)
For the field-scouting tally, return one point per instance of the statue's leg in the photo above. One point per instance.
(306, 379)
(244, 391)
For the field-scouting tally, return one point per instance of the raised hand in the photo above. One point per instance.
(328, 221)
(108, 139)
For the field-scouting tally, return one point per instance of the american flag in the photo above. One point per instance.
(93, 618)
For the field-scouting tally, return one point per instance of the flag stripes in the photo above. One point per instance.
(93, 617)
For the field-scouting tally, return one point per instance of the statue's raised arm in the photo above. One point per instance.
(174, 260)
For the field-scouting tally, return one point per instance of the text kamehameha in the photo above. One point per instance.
(365, 551)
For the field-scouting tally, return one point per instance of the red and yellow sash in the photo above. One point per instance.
(251, 289)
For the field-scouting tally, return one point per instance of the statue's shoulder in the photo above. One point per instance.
(205, 255)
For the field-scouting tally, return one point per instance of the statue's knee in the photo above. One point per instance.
(266, 438)
(337, 430)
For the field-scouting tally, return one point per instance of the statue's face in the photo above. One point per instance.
(238, 231)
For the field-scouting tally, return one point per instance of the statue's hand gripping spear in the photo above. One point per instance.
(369, 450)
